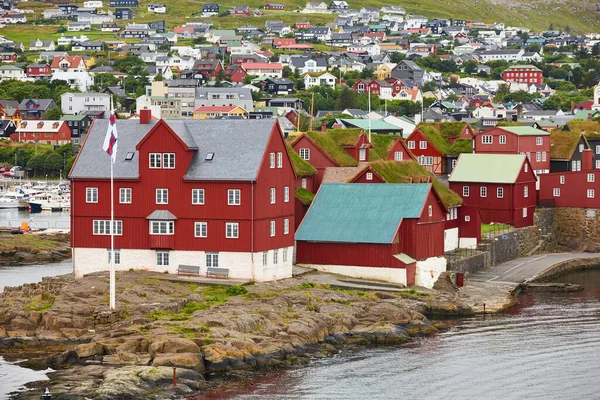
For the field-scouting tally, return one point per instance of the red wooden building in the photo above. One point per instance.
(274, 6)
(426, 152)
(310, 151)
(39, 71)
(572, 189)
(8, 57)
(502, 186)
(399, 152)
(235, 73)
(392, 232)
(208, 68)
(529, 74)
(46, 132)
(214, 194)
(534, 143)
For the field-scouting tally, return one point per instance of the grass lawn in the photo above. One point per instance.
(487, 228)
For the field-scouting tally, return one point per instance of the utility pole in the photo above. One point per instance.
(312, 105)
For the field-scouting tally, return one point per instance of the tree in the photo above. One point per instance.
(158, 77)
(53, 164)
(37, 163)
(430, 86)
(367, 73)
(502, 92)
(54, 114)
(470, 67)
(452, 97)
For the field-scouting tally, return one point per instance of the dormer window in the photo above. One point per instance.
(40, 125)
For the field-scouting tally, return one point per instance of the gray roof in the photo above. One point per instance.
(238, 147)
(161, 215)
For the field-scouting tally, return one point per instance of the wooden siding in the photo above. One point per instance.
(318, 159)
(573, 192)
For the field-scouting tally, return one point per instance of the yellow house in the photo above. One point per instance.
(383, 71)
(212, 112)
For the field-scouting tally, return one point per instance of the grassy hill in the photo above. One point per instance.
(580, 16)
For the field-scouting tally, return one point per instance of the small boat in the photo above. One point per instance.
(12, 199)
(49, 202)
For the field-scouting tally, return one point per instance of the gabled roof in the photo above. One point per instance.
(370, 213)
(488, 168)
(524, 130)
(238, 147)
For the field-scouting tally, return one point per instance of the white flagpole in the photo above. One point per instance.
(112, 230)
(369, 116)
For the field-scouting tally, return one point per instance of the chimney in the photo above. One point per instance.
(438, 126)
(587, 158)
(323, 128)
(145, 116)
(572, 107)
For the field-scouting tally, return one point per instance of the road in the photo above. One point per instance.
(520, 269)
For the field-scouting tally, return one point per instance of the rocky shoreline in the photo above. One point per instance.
(210, 333)
(38, 248)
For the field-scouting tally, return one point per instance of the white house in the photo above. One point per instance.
(95, 19)
(77, 80)
(372, 49)
(75, 26)
(67, 40)
(157, 8)
(78, 103)
(318, 79)
(316, 7)
(415, 21)
(12, 72)
(42, 45)
(92, 4)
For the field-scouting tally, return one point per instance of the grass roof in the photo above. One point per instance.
(448, 129)
(403, 171)
(333, 147)
(589, 127)
(301, 166)
(461, 146)
(435, 138)
(304, 196)
(562, 144)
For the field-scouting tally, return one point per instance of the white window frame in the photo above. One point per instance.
(284, 254)
(279, 159)
(286, 194)
(125, 195)
(275, 256)
(155, 160)
(212, 260)
(272, 229)
(91, 195)
(232, 230)
(597, 149)
(430, 210)
(591, 177)
(369, 176)
(483, 191)
(265, 258)
(198, 196)
(465, 191)
(286, 226)
(201, 229)
(411, 144)
(168, 161)
(467, 218)
(487, 139)
(162, 257)
(272, 160)
(539, 141)
(538, 156)
(422, 144)
(273, 196)
(543, 156)
(234, 197)
(581, 147)
(502, 139)
(162, 196)
(562, 179)
(304, 153)
(591, 193)
(524, 212)
(525, 191)
(101, 227)
(597, 164)
(556, 192)
(117, 255)
(398, 155)
(162, 227)
(304, 183)
(500, 192)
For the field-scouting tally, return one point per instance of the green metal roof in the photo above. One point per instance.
(523, 66)
(525, 130)
(405, 258)
(488, 168)
(75, 117)
(376, 124)
(584, 114)
(361, 213)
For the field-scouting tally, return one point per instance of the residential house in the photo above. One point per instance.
(82, 103)
(74, 26)
(210, 9)
(7, 127)
(502, 186)
(220, 112)
(45, 132)
(79, 125)
(278, 86)
(93, 4)
(338, 5)
(392, 232)
(275, 6)
(8, 57)
(39, 71)
(273, 70)
(240, 10)
(212, 96)
(124, 3)
(343, 39)
(315, 33)
(529, 74)
(408, 70)
(208, 67)
(316, 7)
(123, 13)
(525, 140)
(95, 19)
(157, 8)
(12, 72)
(35, 108)
(304, 64)
(188, 167)
(42, 45)
(312, 79)
(86, 46)
(68, 64)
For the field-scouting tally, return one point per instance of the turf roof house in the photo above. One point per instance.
(195, 192)
(502, 186)
(436, 149)
(390, 232)
(567, 146)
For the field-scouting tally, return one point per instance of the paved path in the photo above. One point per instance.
(520, 269)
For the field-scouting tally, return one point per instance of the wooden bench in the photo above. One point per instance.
(192, 270)
(218, 272)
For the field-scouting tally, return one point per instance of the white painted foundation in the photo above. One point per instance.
(240, 265)
(450, 239)
(394, 275)
(429, 270)
(467, 242)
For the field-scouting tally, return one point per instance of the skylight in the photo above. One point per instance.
(209, 156)
(129, 156)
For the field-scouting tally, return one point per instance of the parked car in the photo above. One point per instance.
(13, 172)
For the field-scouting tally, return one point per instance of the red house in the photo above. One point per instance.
(8, 57)
(235, 73)
(208, 68)
(399, 151)
(39, 71)
(302, 25)
(534, 143)
(274, 6)
(529, 74)
(368, 85)
(283, 42)
(426, 152)
(363, 173)
(310, 151)
(213, 194)
(502, 186)
(572, 189)
(392, 232)
(46, 132)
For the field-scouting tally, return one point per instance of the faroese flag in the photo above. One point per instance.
(110, 141)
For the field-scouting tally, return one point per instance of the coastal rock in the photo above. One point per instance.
(173, 345)
(184, 360)
(89, 349)
(22, 324)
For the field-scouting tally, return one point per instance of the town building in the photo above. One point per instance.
(502, 186)
(213, 194)
(80, 103)
(46, 132)
(529, 74)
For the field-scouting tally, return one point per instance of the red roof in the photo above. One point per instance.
(296, 46)
(181, 29)
(257, 65)
(74, 61)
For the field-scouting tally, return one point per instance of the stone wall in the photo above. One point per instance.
(469, 265)
(579, 264)
(576, 229)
